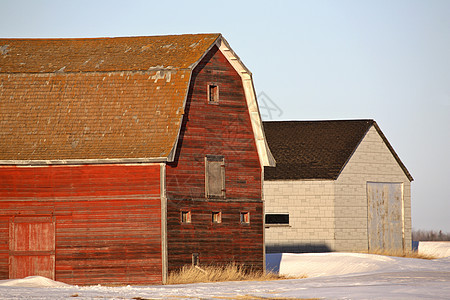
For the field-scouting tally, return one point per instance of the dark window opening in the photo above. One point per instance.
(245, 217)
(215, 176)
(282, 219)
(213, 93)
(216, 217)
(195, 259)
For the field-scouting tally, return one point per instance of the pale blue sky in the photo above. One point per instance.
(384, 60)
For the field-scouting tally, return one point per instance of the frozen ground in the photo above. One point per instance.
(331, 276)
(436, 249)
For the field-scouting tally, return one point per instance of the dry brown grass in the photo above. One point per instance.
(408, 254)
(230, 272)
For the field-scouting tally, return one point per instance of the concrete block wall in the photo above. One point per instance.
(372, 161)
(310, 205)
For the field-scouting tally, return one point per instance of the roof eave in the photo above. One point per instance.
(173, 151)
(215, 43)
(265, 156)
(397, 158)
(84, 161)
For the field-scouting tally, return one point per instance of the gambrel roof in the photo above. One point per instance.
(316, 149)
(102, 99)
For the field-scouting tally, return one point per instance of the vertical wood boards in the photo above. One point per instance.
(385, 216)
(32, 247)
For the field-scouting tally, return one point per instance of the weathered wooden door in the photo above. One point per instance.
(385, 216)
(32, 247)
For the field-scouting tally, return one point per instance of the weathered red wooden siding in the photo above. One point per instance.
(223, 129)
(229, 241)
(108, 219)
(4, 245)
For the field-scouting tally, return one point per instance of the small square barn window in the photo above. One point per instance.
(245, 217)
(215, 176)
(216, 217)
(185, 216)
(213, 93)
(277, 219)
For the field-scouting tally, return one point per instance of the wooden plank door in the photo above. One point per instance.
(385, 216)
(32, 247)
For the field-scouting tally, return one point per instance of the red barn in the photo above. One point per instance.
(122, 159)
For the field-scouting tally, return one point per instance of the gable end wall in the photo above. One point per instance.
(224, 129)
(371, 162)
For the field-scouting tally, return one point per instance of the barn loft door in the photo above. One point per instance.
(215, 176)
(32, 247)
(385, 216)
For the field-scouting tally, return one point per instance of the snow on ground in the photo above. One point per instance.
(32, 281)
(436, 249)
(313, 265)
(331, 276)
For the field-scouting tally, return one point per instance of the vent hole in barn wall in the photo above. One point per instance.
(195, 259)
(213, 93)
(216, 217)
(185, 216)
(245, 217)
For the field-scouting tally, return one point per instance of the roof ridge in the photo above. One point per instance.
(40, 55)
(104, 37)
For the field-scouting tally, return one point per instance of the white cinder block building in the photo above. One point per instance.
(337, 186)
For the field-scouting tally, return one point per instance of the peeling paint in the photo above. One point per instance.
(60, 70)
(158, 67)
(162, 75)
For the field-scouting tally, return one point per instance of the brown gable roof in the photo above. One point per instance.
(316, 149)
(107, 98)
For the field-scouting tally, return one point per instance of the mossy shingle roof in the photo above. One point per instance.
(101, 98)
(316, 149)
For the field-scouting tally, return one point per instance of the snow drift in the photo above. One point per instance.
(32, 281)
